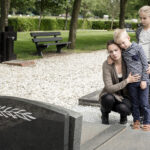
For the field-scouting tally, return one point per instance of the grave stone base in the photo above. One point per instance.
(22, 63)
(90, 99)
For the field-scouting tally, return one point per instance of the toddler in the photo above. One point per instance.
(136, 62)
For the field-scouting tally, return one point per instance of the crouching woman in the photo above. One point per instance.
(114, 96)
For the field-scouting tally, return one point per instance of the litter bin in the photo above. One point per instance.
(7, 39)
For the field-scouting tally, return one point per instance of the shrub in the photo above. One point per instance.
(31, 24)
(48, 24)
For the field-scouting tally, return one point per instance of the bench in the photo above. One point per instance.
(43, 40)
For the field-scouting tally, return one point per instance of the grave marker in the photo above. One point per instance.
(32, 125)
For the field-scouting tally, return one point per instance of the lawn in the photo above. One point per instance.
(86, 40)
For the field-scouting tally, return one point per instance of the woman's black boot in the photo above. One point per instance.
(105, 116)
(123, 119)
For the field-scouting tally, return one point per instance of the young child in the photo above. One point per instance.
(143, 32)
(136, 62)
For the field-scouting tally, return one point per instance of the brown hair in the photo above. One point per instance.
(110, 42)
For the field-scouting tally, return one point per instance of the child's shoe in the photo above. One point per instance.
(146, 127)
(136, 125)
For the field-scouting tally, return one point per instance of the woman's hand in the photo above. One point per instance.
(109, 60)
(133, 78)
(143, 85)
(148, 70)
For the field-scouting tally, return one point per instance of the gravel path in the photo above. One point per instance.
(59, 80)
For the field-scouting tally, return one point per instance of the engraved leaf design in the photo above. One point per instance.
(15, 113)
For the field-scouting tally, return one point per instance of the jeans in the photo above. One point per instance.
(139, 98)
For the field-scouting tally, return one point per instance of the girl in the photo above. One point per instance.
(143, 32)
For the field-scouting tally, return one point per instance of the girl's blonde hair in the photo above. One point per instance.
(145, 9)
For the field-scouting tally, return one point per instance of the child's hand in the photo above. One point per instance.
(143, 85)
(109, 60)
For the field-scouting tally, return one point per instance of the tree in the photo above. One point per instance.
(5, 4)
(74, 21)
(53, 6)
(22, 6)
(110, 7)
(122, 13)
(86, 7)
(67, 8)
(133, 7)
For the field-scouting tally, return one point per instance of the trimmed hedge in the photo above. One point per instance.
(31, 24)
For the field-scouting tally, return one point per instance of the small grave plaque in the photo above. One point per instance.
(31, 125)
(91, 99)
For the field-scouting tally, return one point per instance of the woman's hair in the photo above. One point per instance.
(145, 9)
(110, 42)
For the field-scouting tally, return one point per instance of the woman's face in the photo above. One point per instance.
(114, 52)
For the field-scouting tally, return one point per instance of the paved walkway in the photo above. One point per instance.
(113, 137)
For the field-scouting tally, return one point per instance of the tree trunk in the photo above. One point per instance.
(74, 22)
(66, 18)
(112, 22)
(40, 18)
(122, 13)
(41, 13)
(5, 4)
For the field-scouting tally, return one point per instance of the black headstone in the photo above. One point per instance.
(32, 125)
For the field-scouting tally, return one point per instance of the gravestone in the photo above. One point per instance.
(32, 125)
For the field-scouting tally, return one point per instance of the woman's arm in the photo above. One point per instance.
(109, 76)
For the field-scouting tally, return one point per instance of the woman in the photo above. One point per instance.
(114, 96)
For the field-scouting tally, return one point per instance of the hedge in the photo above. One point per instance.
(32, 24)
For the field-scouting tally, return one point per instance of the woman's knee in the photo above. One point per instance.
(107, 101)
(123, 109)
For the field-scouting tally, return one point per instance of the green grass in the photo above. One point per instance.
(86, 40)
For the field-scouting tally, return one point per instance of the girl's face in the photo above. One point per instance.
(145, 19)
(114, 52)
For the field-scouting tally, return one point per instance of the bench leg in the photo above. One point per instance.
(39, 52)
(59, 47)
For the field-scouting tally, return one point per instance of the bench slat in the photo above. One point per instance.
(34, 34)
(36, 40)
(61, 43)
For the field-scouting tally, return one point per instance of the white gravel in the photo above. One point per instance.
(59, 80)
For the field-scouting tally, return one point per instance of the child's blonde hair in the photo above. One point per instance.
(145, 9)
(120, 33)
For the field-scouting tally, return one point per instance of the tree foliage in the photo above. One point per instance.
(133, 7)
(22, 6)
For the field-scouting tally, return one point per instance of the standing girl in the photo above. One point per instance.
(143, 32)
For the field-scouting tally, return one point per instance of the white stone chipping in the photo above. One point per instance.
(59, 80)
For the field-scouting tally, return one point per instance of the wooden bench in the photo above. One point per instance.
(43, 40)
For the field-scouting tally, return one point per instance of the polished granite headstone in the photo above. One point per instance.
(32, 125)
